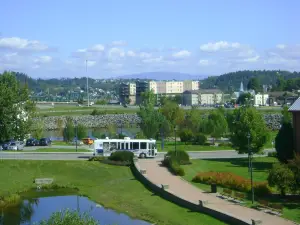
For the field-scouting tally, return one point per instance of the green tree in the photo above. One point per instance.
(193, 119)
(282, 177)
(81, 131)
(60, 126)
(38, 129)
(248, 120)
(186, 135)
(284, 143)
(244, 99)
(69, 131)
(254, 84)
(151, 118)
(216, 124)
(173, 113)
(16, 109)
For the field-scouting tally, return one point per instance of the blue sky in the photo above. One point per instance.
(54, 38)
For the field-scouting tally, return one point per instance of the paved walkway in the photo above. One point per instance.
(160, 175)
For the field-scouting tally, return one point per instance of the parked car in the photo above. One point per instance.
(32, 142)
(16, 146)
(6, 144)
(45, 142)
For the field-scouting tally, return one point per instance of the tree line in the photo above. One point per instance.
(279, 80)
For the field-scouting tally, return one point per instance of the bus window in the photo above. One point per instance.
(135, 145)
(113, 146)
(143, 145)
(130, 146)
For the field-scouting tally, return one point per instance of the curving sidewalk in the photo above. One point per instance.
(159, 175)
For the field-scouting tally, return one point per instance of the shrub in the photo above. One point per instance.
(116, 163)
(173, 166)
(186, 135)
(232, 181)
(272, 154)
(199, 139)
(96, 158)
(122, 156)
(182, 157)
(69, 217)
(224, 144)
(282, 177)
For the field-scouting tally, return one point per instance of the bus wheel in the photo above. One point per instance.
(142, 155)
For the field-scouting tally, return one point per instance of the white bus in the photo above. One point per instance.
(142, 148)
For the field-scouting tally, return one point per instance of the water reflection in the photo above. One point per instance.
(34, 210)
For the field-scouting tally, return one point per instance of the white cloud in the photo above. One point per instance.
(131, 53)
(182, 54)
(115, 53)
(16, 43)
(206, 62)
(153, 60)
(97, 48)
(280, 46)
(144, 55)
(219, 46)
(43, 59)
(114, 59)
(252, 59)
(91, 63)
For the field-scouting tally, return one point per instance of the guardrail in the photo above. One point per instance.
(164, 192)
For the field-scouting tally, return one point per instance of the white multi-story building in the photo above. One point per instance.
(173, 87)
(132, 88)
(261, 99)
(210, 97)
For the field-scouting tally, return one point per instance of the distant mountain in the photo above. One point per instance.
(163, 76)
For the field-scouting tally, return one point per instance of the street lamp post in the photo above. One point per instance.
(250, 167)
(175, 129)
(76, 133)
(87, 84)
(162, 138)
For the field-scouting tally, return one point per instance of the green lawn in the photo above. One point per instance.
(261, 166)
(188, 147)
(111, 186)
(170, 145)
(59, 150)
(61, 143)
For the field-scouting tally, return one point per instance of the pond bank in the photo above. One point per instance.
(111, 186)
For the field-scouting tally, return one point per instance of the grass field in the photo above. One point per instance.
(261, 166)
(170, 145)
(111, 186)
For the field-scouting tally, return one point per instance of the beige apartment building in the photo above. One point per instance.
(173, 87)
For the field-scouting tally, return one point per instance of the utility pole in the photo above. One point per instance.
(87, 84)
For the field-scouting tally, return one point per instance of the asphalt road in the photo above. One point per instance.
(85, 156)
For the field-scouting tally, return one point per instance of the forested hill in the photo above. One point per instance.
(232, 81)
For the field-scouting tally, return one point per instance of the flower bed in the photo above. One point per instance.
(232, 181)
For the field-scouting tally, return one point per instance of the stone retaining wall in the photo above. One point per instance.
(101, 121)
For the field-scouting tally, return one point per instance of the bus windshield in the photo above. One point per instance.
(152, 145)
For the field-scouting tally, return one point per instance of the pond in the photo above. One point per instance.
(32, 210)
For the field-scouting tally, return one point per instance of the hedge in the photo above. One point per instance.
(232, 181)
